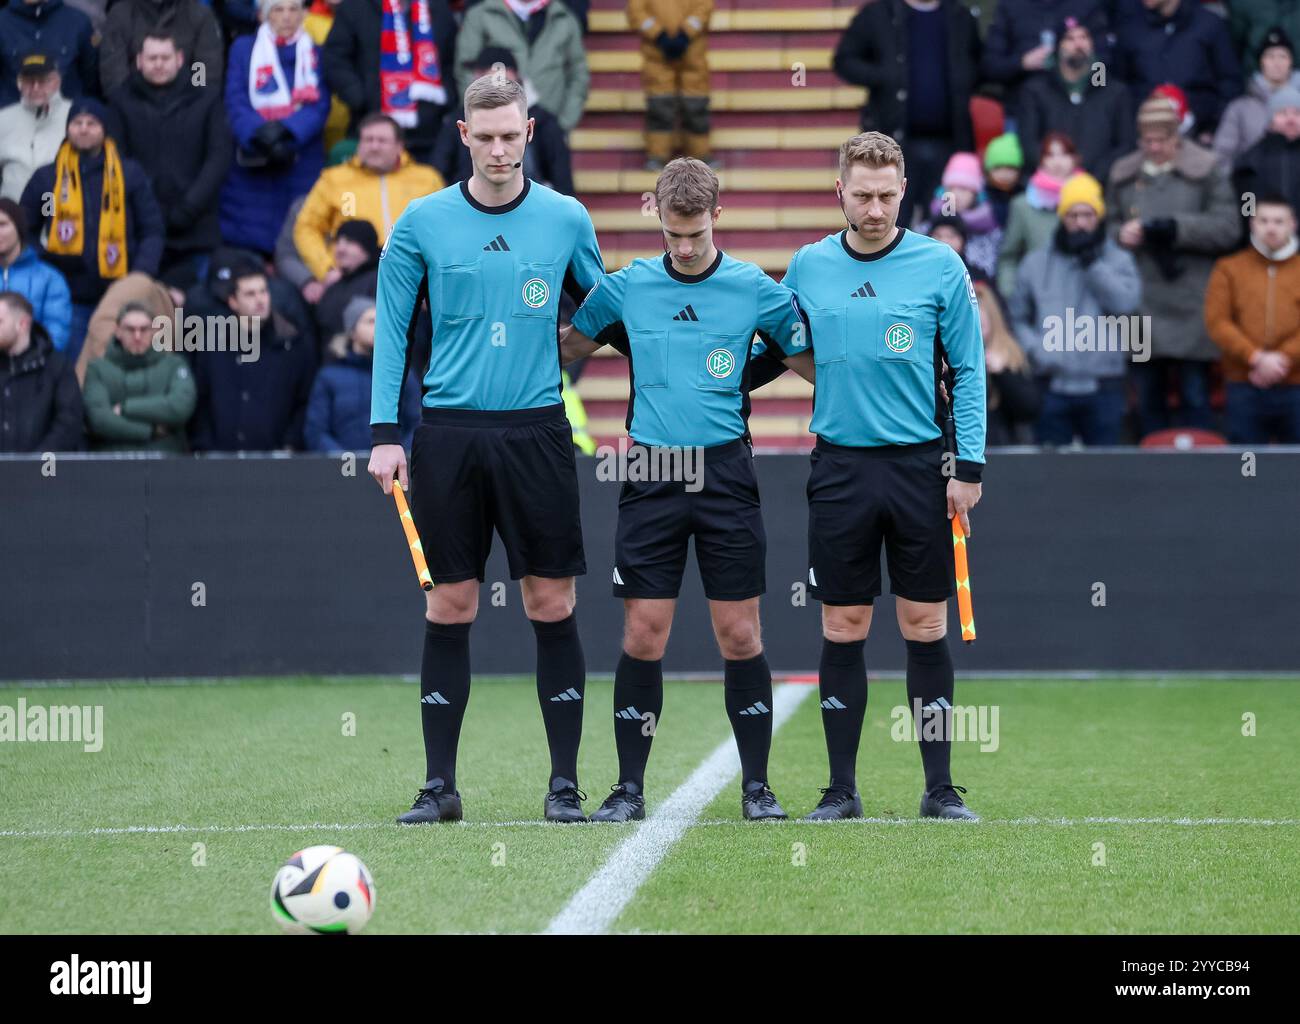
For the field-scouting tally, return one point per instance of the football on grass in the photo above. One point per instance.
(323, 889)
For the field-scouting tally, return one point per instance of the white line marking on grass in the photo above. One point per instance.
(597, 904)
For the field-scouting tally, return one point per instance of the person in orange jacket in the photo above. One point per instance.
(674, 74)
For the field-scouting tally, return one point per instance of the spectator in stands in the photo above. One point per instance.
(546, 40)
(289, 265)
(1011, 393)
(53, 28)
(189, 22)
(580, 9)
(919, 60)
(356, 260)
(40, 403)
(31, 129)
(365, 69)
(1080, 277)
(1070, 97)
(1180, 42)
(675, 76)
(138, 397)
(1250, 21)
(1174, 208)
(1024, 38)
(136, 289)
(961, 194)
(258, 403)
(1252, 313)
(338, 413)
(103, 219)
(1003, 160)
(1246, 119)
(1273, 163)
(277, 103)
(1033, 218)
(178, 133)
(319, 21)
(375, 186)
(546, 159)
(22, 271)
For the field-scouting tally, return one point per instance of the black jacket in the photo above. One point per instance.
(873, 53)
(1102, 125)
(40, 400)
(144, 224)
(546, 159)
(1018, 27)
(351, 59)
(364, 281)
(179, 134)
(1270, 165)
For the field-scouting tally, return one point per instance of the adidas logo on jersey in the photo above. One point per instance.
(629, 714)
(865, 292)
(687, 314)
(757, 708)
(497, 244)
(833, 704)
(569, 694)
(434, 698)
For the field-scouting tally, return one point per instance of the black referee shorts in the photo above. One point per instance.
(656, 520)
(859, 497)
(473, 471)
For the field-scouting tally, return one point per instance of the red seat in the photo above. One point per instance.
(1184, 439)
(987, 121)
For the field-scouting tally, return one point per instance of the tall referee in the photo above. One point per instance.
(494, 450)
(886, 308)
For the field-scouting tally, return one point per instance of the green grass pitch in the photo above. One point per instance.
(256, 769)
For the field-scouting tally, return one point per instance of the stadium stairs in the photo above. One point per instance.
(775, 142)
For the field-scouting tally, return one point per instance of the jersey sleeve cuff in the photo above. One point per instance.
(969, 472)
(384, 433)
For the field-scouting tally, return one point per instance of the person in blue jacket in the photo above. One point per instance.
(277, 102)
(338, 412)
(22, 271)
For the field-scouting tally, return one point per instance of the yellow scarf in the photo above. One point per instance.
(67, 235)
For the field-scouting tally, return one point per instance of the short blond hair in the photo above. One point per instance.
(687, 187)
(492, 91)
(871, 149)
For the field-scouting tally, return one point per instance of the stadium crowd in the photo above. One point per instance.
(234, 169)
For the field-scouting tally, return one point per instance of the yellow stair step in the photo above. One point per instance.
(839, 97)
(751, 179)
(777, 19)
(736, 218)
(812, 58)
(600, 140)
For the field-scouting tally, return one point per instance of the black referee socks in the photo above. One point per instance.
(444, 692)
(748, 686)
(929, 696)
(638, 702)
(561, 684)
(844, 704)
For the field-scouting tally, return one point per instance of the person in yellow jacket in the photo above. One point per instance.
(375, 185)
(674, 74)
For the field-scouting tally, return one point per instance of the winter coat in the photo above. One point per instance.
(29, 141)
(155, 389)
(1246, 120)
(1192, 49)
(1048, 284)
(873, 53)
(360, 283)
(47, 291)
(555, 62)
(1028, 228)
(178, 133)
(40, 403)
(54, 28)
(1199, 197)
(144, 224)
(338, 413)
(254, 201)
(1102, 124)
(351, 59)
(1250, 20)
(1253, 304)
(1270, 165)
(193, 25)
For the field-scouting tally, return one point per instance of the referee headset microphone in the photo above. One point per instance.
(839, 191)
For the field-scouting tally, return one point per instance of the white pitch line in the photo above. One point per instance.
(596, 906)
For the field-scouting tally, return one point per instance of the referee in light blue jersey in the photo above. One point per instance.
(494, 450)
(686, 320)
(886, 308)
